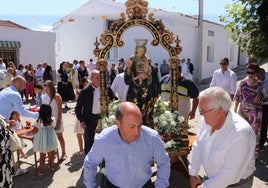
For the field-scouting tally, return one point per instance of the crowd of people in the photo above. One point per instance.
(137, 84)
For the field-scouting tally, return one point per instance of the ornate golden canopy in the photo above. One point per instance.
(136, 11)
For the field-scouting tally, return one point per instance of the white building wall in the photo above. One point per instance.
(221, 48)
(75, 39)
(36, 46)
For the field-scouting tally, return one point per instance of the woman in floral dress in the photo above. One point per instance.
(251, 94)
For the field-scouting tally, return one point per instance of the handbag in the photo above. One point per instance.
(14, 141)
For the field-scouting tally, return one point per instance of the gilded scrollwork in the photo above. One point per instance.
(136, 11)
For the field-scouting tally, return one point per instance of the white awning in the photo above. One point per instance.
(9, 44)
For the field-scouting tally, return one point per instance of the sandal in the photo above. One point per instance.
(79, 153)
(63, 157)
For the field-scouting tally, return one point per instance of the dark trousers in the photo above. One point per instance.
(264, 125)
(148, 184)
(91, 124)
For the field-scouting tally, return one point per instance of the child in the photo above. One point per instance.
(38, 91)
(18, 126)
(78, 129)
(45, 139)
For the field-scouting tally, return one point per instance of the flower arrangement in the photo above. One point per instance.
(110, 120)
(167, 122)
(171, 145)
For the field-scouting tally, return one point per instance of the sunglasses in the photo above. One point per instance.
(251, 72)
(223, 63)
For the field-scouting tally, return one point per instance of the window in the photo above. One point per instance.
(113, 53)
(108, 24)
(210, 52)
(211, 33)
(9, 55)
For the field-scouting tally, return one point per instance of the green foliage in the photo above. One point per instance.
(242, 20)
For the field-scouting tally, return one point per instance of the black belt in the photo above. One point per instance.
(241, 181)
(148, 184)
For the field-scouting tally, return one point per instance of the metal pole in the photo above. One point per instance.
(200, 40)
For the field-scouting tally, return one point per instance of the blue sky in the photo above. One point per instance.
(41, 14)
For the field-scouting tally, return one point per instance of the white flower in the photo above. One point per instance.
(173, 123)
(110, 120)
(169, 144)
(167, 121)
(181, 119)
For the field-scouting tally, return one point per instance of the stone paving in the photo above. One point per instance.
(69, 173)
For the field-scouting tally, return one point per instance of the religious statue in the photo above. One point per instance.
(142, 78)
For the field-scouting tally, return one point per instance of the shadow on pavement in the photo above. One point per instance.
(262, 165)
(32, 180)
(79, 183)
(76, 162)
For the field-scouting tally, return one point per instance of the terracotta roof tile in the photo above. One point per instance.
(7, 23)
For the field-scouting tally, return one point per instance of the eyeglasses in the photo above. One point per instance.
(223, 63)
(251, 72)
(204, 112)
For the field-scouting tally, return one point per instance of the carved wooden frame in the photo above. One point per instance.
(136, 11)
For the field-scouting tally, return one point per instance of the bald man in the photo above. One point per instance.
(10, 99)
(128, 149)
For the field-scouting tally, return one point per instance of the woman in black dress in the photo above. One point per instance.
(65, 88)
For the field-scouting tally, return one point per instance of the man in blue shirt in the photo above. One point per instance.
(128, 149)
(10, 99)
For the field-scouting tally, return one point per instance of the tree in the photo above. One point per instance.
(247, 22)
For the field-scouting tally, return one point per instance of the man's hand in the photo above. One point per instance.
(83, 125)
(195, 182)
(191, 115)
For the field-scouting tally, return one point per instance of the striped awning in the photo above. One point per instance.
(9, 44)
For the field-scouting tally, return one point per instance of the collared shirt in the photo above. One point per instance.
(164, 68)
(119, 87)
(91, 66)
(38, 100)
(227, 155)
(226, 80)
(128, 165)
(39, 75)
(2, 76)
(10, 100)
(2, 65)
(185, 68)
(96, 109)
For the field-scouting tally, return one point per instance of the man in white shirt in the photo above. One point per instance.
(225, 78)
(119, 87)
(224, 145)
(39, 74)
(2, 76)
(91, 65)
